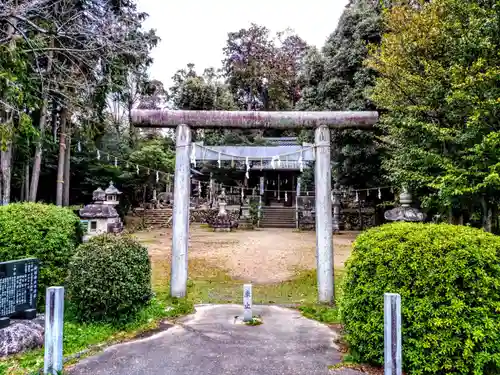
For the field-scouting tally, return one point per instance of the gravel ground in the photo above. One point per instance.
(259, 256)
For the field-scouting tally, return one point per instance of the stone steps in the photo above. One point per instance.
(278, 217)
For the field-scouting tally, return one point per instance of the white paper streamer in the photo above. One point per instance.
(199, 188)
(116, 162)
(247, 174)
(157, 176)
(379, 194)
(98, 155)
(79, 147)
(286, 197)
(357, 197)
(218, 160)
(137, 168)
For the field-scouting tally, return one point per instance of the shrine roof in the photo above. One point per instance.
(98, 211)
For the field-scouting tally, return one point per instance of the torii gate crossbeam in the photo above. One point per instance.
(183, 121)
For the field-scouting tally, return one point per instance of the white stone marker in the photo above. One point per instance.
(392, 334)
(247, 302)
(54, 313)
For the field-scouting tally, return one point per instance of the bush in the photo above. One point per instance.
(109, 279)
(449, 281)
(42, 231)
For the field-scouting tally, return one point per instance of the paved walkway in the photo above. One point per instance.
(210, 343)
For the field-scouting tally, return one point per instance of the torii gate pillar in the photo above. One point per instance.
(324, 238)
(180, 219)
(320, 121)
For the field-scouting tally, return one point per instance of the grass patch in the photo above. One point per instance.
(80, 336)
(256, 321)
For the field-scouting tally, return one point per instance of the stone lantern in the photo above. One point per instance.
(405, 212)
(222, 222)
(100, 217)
(112, 195)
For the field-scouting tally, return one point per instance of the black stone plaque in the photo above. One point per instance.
(18, 289)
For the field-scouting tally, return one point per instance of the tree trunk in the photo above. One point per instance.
(37, 162)
(27, 181)
(60, 164)
(67, 170)
(6, 154)
(6, 157)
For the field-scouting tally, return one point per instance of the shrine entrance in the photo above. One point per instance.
(254, 157)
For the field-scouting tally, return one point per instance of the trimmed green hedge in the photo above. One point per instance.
(42, 231)
(109, 279)
(449, 281)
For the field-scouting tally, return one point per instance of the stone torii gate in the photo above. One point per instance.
(321, 122)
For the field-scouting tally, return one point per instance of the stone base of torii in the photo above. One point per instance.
(184, 121)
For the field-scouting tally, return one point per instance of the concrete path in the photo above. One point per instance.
(210, 343)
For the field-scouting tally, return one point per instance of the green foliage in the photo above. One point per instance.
(42, 231)
(109, 279)
(449, 281)
(254, 212)
(438, 86)
(336, 80)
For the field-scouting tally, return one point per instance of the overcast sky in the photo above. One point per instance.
(196, 30)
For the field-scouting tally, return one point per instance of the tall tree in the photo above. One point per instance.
(261, 69)
(336, 80)
(439, 84)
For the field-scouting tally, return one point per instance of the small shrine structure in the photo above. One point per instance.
(101, 216)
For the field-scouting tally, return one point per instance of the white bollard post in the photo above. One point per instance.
(247, 303)
(392, 334)
(54, 320)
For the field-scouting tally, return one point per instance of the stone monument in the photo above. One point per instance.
(21, 328)
(100, 216)
(405, 212)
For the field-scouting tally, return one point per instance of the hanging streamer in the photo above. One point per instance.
(286, 197)
(357, 197)
(301, 163)
(218, 160)
(98, 155)
(137, 168)
(193, 154)
(242, 194)
(379, 194)
(232, 162)
(127, 164)
(116, 162)
(279, 161)
(157, 176)
(199, 189)
(247, 174)
(107, 157)
(79, 147)
(148, 171)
